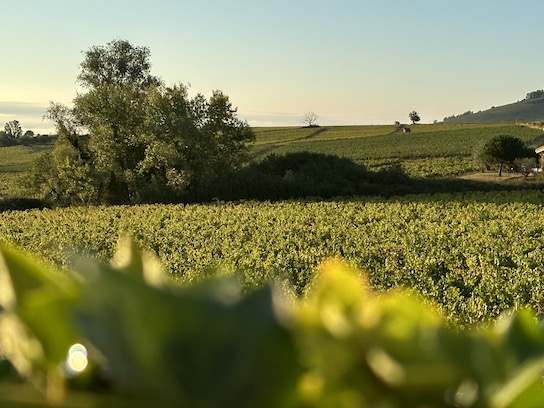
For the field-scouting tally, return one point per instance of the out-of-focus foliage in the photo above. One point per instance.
(150, 343)
(197, 346)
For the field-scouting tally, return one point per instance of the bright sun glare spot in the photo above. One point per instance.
(77, 361)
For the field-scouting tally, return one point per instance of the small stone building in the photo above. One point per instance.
(540, 151)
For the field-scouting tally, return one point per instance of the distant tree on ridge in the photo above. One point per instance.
(310, 119)
(414, 117)
(13, 129)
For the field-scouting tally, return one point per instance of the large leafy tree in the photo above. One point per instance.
(504, 150)
(146, 141)
(117, 63)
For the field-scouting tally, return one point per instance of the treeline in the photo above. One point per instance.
(469, 112)
(535, 94)
(13, 135)
(532, 97)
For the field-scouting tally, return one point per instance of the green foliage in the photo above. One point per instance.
(391, 350)
(424, 146)
(474, 255)
(297, 175)
(429, 152)
(118, 63)
(305, 174)
(535, 94)
(208, 345)
(13, 129)
(13, 135)
(199, 346)
(63, 177)
(146, 141)
(504, 150)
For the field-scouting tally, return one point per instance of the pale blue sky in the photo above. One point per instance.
(351, 62)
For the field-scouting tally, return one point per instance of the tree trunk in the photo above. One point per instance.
(500, 170)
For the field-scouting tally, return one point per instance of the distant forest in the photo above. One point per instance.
(13, 135)
(510, 112)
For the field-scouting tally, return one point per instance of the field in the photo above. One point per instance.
(428, 151)
(453, 248)
(436, 150)
(14, 160)
(475, 255)
(255, 313)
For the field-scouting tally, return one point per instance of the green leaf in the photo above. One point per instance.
(194, 345)
(42, 299)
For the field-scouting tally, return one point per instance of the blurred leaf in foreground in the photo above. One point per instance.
(192, 344)
(361, 348)
(36, 329)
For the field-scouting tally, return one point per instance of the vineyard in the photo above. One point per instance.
(118, 335)
(435, 151)
(411, 300)
(474, 255)
(427, 151)
(14, 160)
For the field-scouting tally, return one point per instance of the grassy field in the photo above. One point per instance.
(14, 161)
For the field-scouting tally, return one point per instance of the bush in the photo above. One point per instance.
(304, 174)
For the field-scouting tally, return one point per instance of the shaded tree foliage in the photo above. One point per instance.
(13, 135)
(504, 150)
(535, 94)
(134, 139)
(6, 140)
(303, 175)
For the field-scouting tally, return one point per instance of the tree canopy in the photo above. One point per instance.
(117, 63)
(535, 94)
(130, 138)
(414, 117)
(504, 150)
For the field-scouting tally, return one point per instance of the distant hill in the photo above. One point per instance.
(527, 110)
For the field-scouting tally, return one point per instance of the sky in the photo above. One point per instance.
(351, 62)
